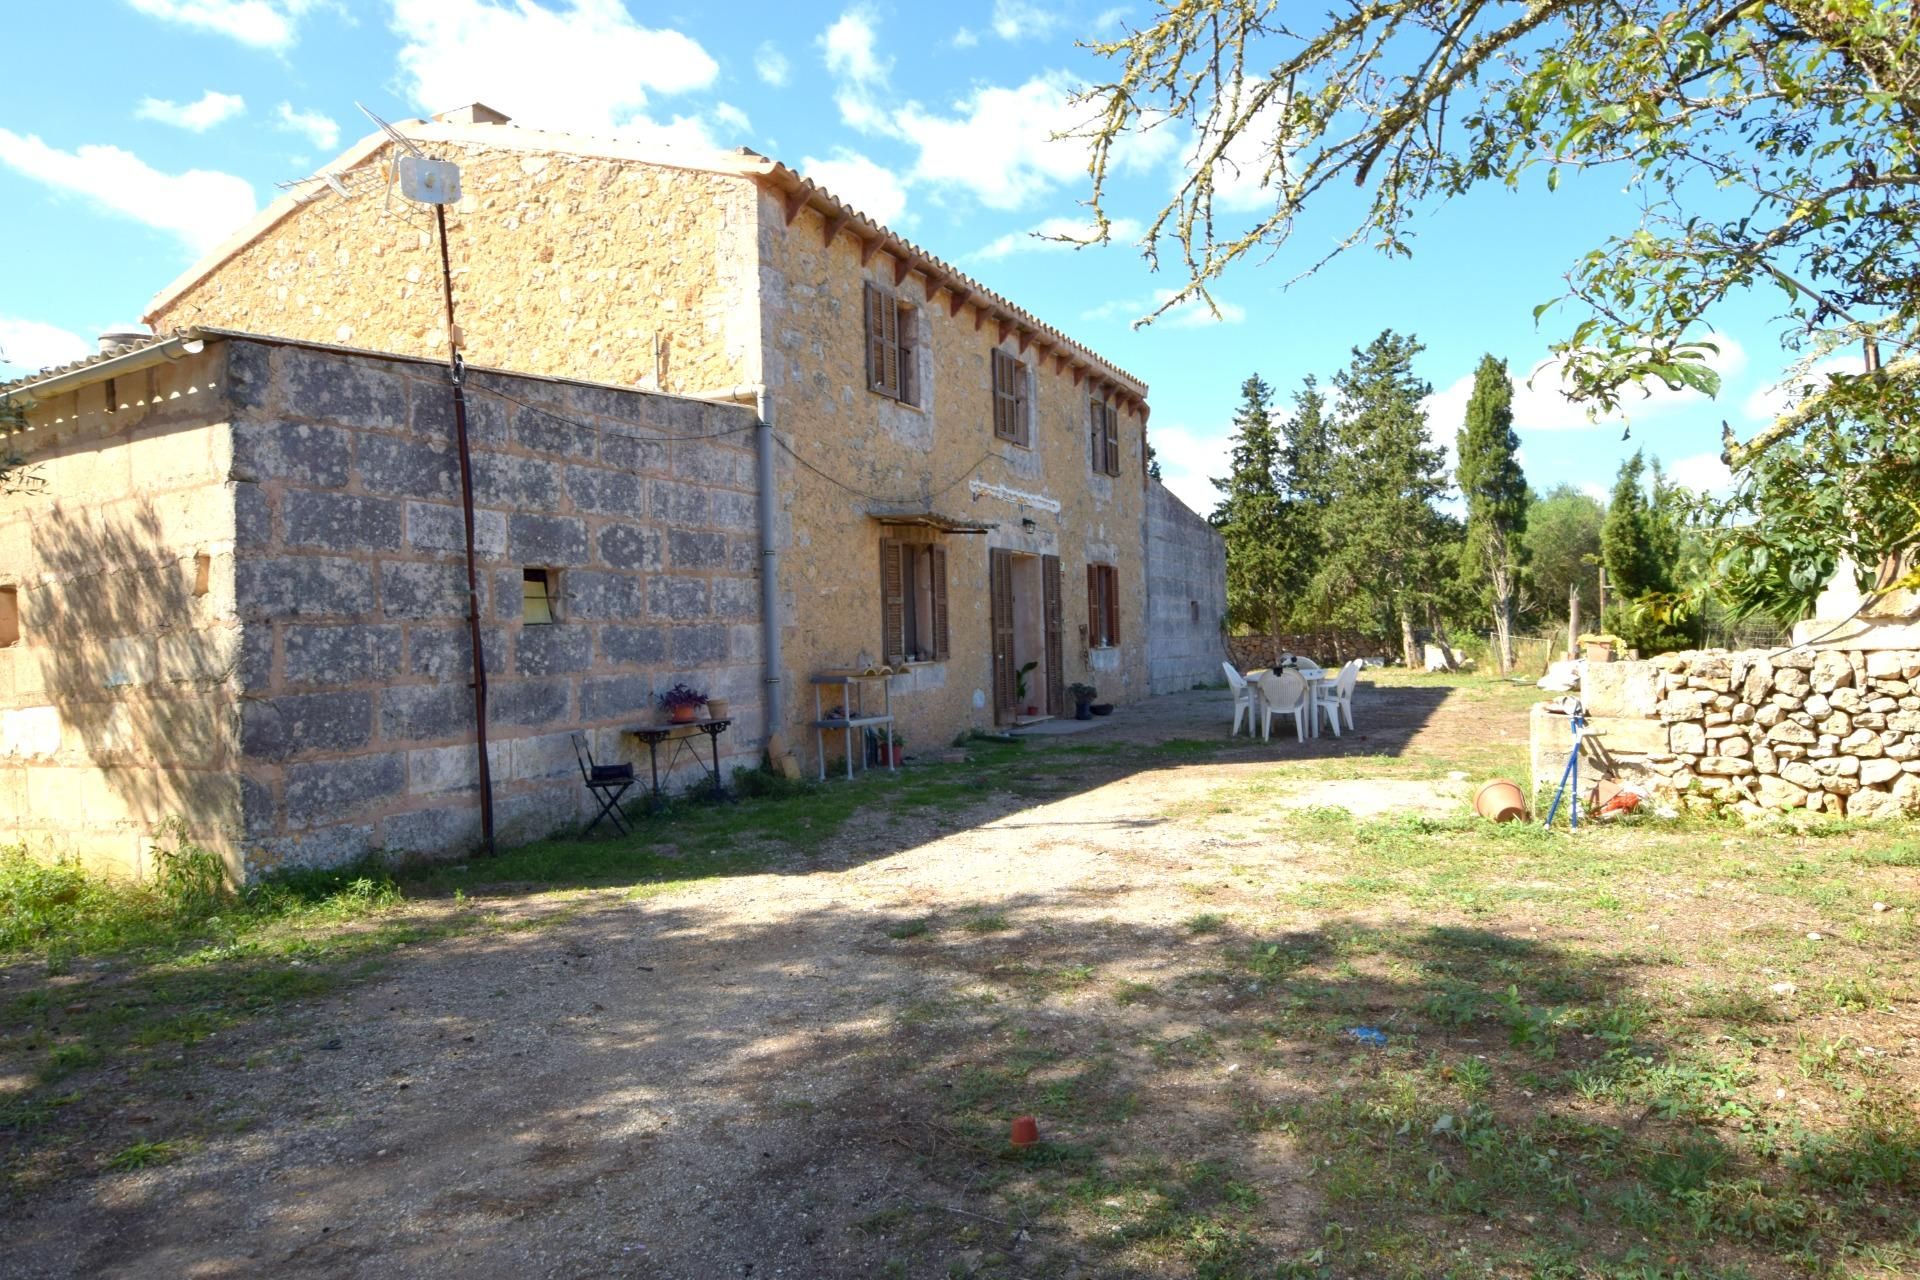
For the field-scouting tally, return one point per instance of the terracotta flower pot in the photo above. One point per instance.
(1026, 1131)
(685, 714)
(1500, 801)
(717, 708)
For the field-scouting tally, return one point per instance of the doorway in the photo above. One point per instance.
(1028, 671)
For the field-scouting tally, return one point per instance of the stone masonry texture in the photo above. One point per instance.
(1833, 731)
(314, 705)
(1186, 595)
(572, 263)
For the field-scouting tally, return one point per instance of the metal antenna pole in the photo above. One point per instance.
(456, 373)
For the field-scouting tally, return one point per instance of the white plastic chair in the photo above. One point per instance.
(1281, 695)
(1339, 699)
(1245, 703)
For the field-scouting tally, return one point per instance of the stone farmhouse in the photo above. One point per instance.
(735, 433)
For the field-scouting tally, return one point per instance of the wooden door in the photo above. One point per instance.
(1000, 609)
(1050, 587)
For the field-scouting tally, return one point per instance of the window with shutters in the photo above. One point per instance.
(1012, 399)
(1103, 606)
(913, 591)
(1103, 437)
(893, 340)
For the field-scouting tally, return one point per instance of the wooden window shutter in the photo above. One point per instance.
(893, 603)
(1096, 616)
(883, 342)
(1111, 421)
(937, 560)
(1003, 420)
(1097, 437)
(1113, 605)
(906, 340)
(1022, 423)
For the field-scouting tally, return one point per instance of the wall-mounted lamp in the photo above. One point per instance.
(1027, 522)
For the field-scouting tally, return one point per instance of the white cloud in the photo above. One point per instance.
(199, 206)
(1541, 400)
(316, 127)
(871, 188)
(725, 113)
(29, 346)
(585, 67)
(965, 38)
(1000, 143)
(1020, 19)
(264, 24)
(1189, 460)
(770, 64)
(1241, 181)
(1191, 314)
(1702, 471)
(1769, 402)
(210, 109)
(1044, 237)
(848, 46)
(1109, 17)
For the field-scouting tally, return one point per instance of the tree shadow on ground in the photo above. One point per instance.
(658, 1087)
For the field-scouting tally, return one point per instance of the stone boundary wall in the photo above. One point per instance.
(1831, 731)
(1186, 564)
(1328, 648)
(356, 725)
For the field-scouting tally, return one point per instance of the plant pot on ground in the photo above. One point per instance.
(1020, 687)
(1101, 708)
(1083, 696)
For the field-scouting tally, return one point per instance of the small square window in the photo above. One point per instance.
(9, 616)
(537, 596)
(1194, 607)
(202, 574)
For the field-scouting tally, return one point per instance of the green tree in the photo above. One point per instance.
(1628, 539)
(1252, 517)
(1642, 542)
(1563, 547)
(1771, 147)
(1380, 561)
(1495, 490)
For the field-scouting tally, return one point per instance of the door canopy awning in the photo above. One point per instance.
(931, 520)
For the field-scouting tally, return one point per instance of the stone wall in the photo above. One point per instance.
(356, 729)
(1186, 595)
(119, 703)
(1831, 731)
(922, 456)
(569, 265)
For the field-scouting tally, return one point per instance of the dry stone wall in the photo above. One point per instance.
(1830, 731)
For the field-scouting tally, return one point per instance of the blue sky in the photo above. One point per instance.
(136, 133)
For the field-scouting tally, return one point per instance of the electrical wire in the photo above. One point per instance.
(595, 427)
(927, 497)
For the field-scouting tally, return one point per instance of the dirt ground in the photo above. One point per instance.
(755, 1074)
(704, 1083)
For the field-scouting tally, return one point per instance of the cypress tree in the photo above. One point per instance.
(1495, 490)
(1251, 516)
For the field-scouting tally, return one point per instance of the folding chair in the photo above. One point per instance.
(606, 782)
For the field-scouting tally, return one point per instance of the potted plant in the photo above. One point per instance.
(682, 704)
(1083, 696)
(1020, 687)
(1600, 646)
(896, 748)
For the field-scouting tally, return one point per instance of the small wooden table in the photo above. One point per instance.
(683, 738)
(851, 717)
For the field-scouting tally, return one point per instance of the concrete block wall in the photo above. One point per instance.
(1186, 595)
(119, 702)
(356, 727)
(1831, 731)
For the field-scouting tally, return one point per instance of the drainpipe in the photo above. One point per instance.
(769, 565)
(764, 449)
